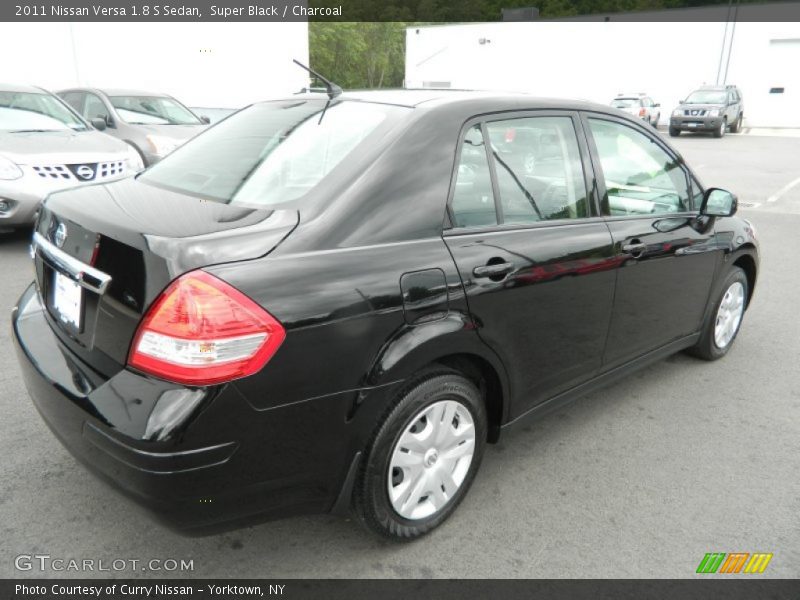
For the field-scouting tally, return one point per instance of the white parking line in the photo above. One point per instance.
(777, 195)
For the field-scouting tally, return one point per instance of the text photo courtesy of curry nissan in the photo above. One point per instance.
(333, 301)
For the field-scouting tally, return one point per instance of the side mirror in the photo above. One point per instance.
(205, 119)
(98, 123)
(719, 203)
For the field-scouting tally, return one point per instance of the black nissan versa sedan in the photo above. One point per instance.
(320, 304)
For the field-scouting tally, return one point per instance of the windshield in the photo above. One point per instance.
(625, 102)
(153, 110)
(270, 153)
(706, 97)
(31, 111)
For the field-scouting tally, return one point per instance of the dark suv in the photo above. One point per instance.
(324, 303)
(714, 109)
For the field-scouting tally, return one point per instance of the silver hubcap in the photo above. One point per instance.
(722, 128)
(729, 315)
(431, 459)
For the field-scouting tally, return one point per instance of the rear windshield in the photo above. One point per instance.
(271, 153)
(625, 102)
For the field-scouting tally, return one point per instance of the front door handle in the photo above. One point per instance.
(493, 270)
(635, 248)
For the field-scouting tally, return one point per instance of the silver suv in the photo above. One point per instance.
(154, 124)
(713, 108)
(44, 147)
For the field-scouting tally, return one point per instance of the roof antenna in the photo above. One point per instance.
(333, 89)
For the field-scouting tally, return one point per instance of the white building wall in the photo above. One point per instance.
(225, 65)
(597, 60)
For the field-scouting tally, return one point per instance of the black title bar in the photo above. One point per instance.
(410, 11)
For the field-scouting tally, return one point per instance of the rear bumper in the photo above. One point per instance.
(695, 123)
(225, 465)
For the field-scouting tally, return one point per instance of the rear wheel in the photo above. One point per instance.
(655, 121)
(737, 126)
(423, 458)
(674, 132)
(722, 326)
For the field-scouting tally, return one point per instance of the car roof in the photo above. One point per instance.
(478, 100)
(11, 87)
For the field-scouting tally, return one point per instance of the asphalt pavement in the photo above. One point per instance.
(640, 479)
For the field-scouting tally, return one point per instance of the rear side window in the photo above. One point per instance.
(473, 201)
(539, 170)
(271, 153)
(535, 166)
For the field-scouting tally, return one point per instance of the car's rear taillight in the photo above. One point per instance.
(642, 112)
(201, 331)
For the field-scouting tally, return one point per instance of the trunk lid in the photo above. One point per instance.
(140, 237)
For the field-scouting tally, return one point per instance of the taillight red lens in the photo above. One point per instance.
(202, 330)
(642, 112)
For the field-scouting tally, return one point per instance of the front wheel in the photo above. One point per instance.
(722, 326)
(720, 131)
(674, 132)
(423, 458)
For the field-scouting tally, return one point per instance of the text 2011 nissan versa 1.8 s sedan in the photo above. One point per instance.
(331, 302)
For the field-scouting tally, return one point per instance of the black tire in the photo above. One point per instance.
(737, 125)
(674, 132)
(706, 348)
(654, 123)
(720, 131)
(371, 497)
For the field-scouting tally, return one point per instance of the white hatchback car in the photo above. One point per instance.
(45, 147)
(639, 105)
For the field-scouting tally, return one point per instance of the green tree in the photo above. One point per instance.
(359, 55)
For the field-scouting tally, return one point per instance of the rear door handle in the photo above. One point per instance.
(493, 270)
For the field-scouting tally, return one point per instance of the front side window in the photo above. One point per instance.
(152, 110)
(74, 99)
(271, 153)
(30, 112)
(95, 109)
(539, 169)
(640, 177)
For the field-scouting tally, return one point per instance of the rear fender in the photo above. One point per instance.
(412, 348)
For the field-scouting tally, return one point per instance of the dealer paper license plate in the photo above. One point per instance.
(67, 300)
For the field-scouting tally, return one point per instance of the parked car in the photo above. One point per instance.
(714, 109)
(45, 147)
(639, 105)
(154, 124)
(332, 302)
